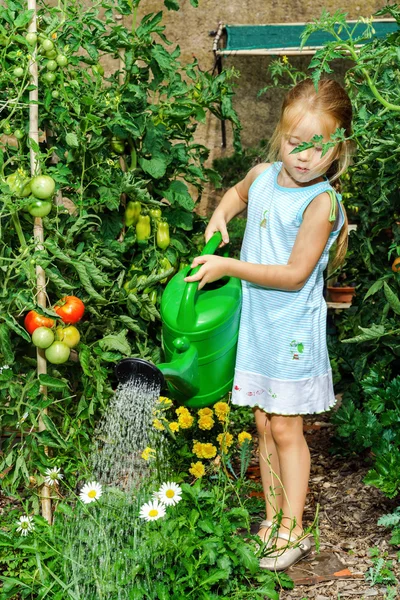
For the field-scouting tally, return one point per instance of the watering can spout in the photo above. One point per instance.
(180, 374)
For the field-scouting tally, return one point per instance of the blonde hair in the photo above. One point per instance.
(330, 100)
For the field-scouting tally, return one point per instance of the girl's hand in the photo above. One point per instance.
(214, 267)
(217, 223)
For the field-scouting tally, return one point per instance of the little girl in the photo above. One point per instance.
(282, 366)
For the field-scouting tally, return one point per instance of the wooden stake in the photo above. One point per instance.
(39, 237)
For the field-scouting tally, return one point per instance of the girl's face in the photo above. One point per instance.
(306, 167)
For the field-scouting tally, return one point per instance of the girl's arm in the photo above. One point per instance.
(310, 242)
(232, 203)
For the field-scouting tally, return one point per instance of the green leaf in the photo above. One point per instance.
(372, 333)
(129, 322)
(392, 299)
(72, 140)
(52, 429)
(156, 167)
(52, 382)
(178, 193)
(84, 359)
(12, 324)
(23, 18)
(5, 344)
(375, 287)
(117, 342)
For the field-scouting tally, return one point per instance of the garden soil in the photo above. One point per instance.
(348, 515)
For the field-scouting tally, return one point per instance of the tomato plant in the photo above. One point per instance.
(87, 249)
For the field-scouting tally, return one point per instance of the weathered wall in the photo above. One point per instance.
(190, 28)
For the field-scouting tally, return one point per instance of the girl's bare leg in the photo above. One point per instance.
(294, 463)
(269, 468)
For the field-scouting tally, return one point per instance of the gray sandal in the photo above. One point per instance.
(270, 543)
(288, 555)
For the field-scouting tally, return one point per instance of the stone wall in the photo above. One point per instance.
(191, 27)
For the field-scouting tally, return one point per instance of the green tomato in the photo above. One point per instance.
(47, 45)
(55, 93)
(51, 54)
(69, 335)
(57, 353)
(62, 60)
(43, 187)
(18, 72)
(39, 208)
(31, 38)
(49, 77)
(51, 65)
(19, 184)
(19, 134)
(42, 337)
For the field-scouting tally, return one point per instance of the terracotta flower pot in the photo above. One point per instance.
(341, 294)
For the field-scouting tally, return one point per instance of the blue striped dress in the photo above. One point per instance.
(282, 363)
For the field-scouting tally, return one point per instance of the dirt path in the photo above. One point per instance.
(349, 511)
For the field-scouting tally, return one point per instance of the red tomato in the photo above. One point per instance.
(33, 320)
(70, 309)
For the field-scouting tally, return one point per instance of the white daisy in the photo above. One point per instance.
(26, 525)
(90, 492)
(53, 476)
(170, 493)
(151, 511)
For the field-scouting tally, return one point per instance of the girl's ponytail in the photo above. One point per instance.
(342, 243)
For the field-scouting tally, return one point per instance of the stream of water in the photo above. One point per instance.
(103, 541)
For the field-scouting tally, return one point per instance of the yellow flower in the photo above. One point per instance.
(185, 421)
(221, 410)
(205, 412)
(147, 453)
(225, 441)
(204, 450)
(285, 60)
(243, 436)
(174, 426)
(182, 410)
(158, 425)
(208, 451)
(165, 400)
(206, 423)
(197, 469)
(198, 449)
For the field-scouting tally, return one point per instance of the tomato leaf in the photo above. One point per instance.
(52, 429)
(12, 324)
(5, 344)
(23, 18)
(392, 299)
(117, 342)
(53, 382)
(375, 287)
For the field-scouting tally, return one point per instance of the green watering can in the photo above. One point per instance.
(199, 331)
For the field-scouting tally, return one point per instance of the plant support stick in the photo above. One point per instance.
(38, 235)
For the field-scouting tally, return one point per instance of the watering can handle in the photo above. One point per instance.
(187, 314)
